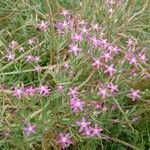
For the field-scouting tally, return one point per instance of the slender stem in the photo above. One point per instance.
(81, 85)
(124, 143)
(126, 118)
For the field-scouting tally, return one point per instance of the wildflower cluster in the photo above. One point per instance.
(85, 81)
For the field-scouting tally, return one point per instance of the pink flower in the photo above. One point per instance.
(30, 58)
(110, 10)
(32, 41)
(60, 88)
(73, 92)
(96, 131)
(143, 58)
(95, 41)
(88, 132)
(10, 56)
(95, 104)
(18, 92)
(76, 104)
(66, 65)
(106, 57)
(110, 70)
(83, 125)
(64, 140)
(115, 49)
(36, 58)
(84, 30)
(38, 68)
(21, 49)
(104, 43)
(132, 60)
(95, 27)
(64, 25)
(113, 88)
(105, 109)
(77, 37)
(74, 49)
(103, 92)
(134, 94)
(64, 13)
(30, 129)
(13, 44)
(44, 90)
(131, 42)
(29, 91)
(97, 63)
(43, 25)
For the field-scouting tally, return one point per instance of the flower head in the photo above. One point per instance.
(97, 63)
(134, 94)
(43, 89)
(18, 92)
(65, 13)
(64, 140)
(83, 125)
(60, 88)
(10, 56)
(43, 25)
(21, 49)
(77, 37)
(76, 104)
(13, 44)
(113, 88)
(29, 129)
(38, 68)
(73, 92)
(74, 49)
(29, 91)
(96, 131)
(110, 70)
(103, 92)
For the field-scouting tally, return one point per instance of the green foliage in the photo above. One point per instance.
(51, 114)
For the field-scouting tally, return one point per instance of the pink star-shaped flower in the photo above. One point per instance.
(13, 44)
(97, 63)
(29, 91)
(83, 125)
(75, 50)
(96, 131)
(106, 57)
(30, 58)
(60, 88)
(103, 92)
(43, 25)
(113, 88)
(30, 129)
(73, 92)
(110, 70)
(18, 92)
(44, 90)
(64, 140)
(64, 13)
(77, 37)
(134, 94)
(10, 56)
(76, 104)
(38, 68)
(142, 58)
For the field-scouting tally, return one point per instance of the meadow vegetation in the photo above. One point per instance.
(74, 74)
